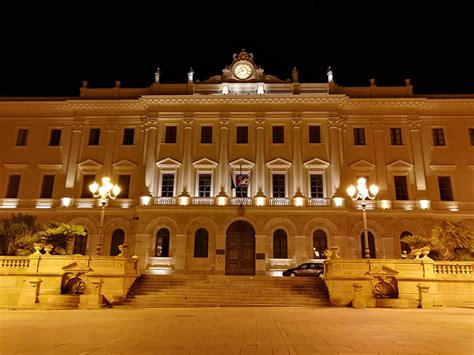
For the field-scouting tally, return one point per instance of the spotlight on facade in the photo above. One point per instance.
(145, 200)
(424, 204)
(260, 198)
(298, 199)
(338, 201)
(184, 199)
(260, 88)
(385, 204)
(66, 201)
(225, 89)
(222, 198)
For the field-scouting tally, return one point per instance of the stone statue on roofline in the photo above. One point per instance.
(330, 75)
(157, 75)
(190, 75)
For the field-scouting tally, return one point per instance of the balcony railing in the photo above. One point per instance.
(203, 201)
(318, 202)
(279, 201)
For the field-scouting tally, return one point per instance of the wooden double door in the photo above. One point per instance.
(240, 249)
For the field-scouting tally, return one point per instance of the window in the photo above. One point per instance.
(242, 134)
(13, 186)
(55, 138)
(396, 136)
(471, 135)
(314, 134)
(124, 184)
(201, 239)
(86, 181)
(128, 136)
(118, 238)
(242, 185)
(206, 134)
(371, 244)
(205, 185)
(278, 185)
(278, 134)
(170, 134)
(438, 136)
(167, 185)
(359, 136)
(401, 188)
(80, 244)
(404, 247)
(94, 136)
(320, 244)
(445, 190)
(22, 137)
(162, 245)
(47, 186)
(316, 185)
(280, 246)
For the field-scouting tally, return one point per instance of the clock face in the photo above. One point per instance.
(243, 71)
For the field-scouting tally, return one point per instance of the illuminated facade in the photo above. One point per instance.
(242, 173)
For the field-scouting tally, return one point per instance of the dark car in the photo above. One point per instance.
(306, 269)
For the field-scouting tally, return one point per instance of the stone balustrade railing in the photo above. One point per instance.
(14, 262)
(452, 268)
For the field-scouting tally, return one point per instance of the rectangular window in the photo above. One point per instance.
(94, 136)
(445, 190)
(22, 137)
(13, 186)
(278, 134)
(167, 185)
(401, 188)
(242, 134)
(359, 136)
(396, 136)
(314, 134)
(86, 181)
(278, 185)
(438, 136)
(47, 186)
(170, 134)
(241, 185)
(55, 138)
(206, 134)
(124, 184)
(316, 185)
(128, 136)
(471, 135)
(205, 185)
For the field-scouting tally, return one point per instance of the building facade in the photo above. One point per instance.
(243, 173)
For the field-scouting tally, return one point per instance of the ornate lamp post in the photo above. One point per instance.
(104, 192)
(362, 193)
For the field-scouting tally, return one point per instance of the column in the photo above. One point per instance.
(261, 248)
(179, 251)
(379, 149)
(417, 153)
(219, 268)
(259, 178)
(297, 156)
(186, 169)
(223, 170)
(151, 132)
(301, 254)
(335, 154)
(77, 127)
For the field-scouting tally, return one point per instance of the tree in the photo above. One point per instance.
(17, 234)
(59, 234)
(449, 237)
(416, 241)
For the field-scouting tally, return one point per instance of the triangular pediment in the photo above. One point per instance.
(278, 163)
(76, 268)
(362, 165)
(400, 165)
(316, 164)
(205, 163)
(124, 165)
(168, 163)
(241, 163)
(382, 271)
(89, 165)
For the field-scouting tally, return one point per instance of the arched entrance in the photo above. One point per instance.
(240, 249)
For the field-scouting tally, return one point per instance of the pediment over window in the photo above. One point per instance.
(205, 163)
(316, 164)
(363, 165)
(89, 165)
(443, 168)
(400, 165)
(278, 163)
(76, 268)
(168, 163)
(15, 166)
(382, 271)
(50, 166)
(241, 164)
(124, 165)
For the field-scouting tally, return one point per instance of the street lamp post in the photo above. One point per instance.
(362, 193)
(104, 192)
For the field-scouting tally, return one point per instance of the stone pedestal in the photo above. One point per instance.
(93, 298)
(359, 300)
(426, 300)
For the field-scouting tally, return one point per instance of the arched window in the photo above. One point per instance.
(320, 244)
(201, 238)
(80, 244)
(371, 244)
(118, 238)
(162, 246)
(404, 247)
(280, 244)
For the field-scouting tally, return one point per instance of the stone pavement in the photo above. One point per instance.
(238, 331)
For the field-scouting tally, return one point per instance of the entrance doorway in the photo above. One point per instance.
(240, 249)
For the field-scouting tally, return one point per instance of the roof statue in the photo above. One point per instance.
(294, 75)
(157, 75)
(190, 75)
(330, 75)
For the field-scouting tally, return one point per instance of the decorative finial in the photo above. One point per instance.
(330, 75)
(85, 83)
(157, 75)
(117, 83)
(190, 75)
(294, 75)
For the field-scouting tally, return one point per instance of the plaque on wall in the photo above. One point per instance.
(260, 256)
(220, 251)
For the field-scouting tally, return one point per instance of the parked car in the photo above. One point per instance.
(306, 269)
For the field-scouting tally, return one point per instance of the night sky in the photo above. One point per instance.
(48, 50)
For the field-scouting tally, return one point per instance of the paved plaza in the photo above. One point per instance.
(238, 331)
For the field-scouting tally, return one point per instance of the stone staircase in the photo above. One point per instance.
(179, 290)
